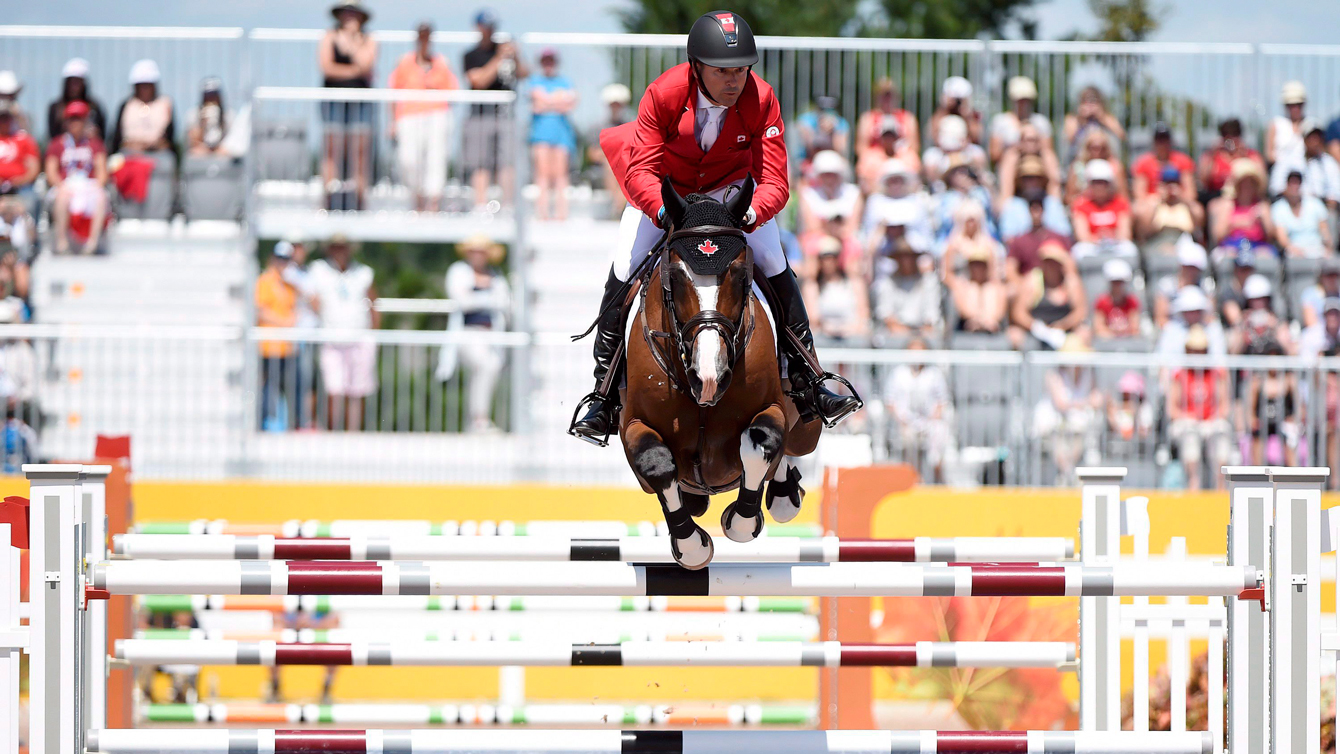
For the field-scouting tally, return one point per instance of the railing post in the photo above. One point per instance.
(1251, 498)
(55, 571)
(1295, 611)
(10, 642)
(93, 502)
(1099, 617)
(1135, 522)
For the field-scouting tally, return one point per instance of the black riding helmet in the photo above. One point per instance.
(722, 39)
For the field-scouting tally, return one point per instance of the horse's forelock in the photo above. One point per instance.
(704, 210)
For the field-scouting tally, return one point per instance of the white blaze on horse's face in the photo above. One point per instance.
(709, 351)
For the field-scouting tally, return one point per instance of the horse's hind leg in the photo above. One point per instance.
(760, 449)
(655, 465)
(784, 492)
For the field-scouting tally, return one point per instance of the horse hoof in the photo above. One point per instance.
(784, 508)
(696, 505)
(740, 528)
(694, 552)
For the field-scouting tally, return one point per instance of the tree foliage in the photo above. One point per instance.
(949, 19)
(1126, 20)
(823, 18)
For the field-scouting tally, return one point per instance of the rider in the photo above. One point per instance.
(707, 124)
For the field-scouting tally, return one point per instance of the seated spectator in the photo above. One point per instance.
(907, 300)
(616, 98)
(1320, 171)
(956, 101)
(1273, 405)
(897, 221)
(1091, 117)
(1033, 182)
(831, 225)
(20, 164)
(1030, 149)
(208, 124)
(870, 126)
(144, 121)
(1169, 213)
(1023, 252)
(422, 130)
(1007, 128)
(978, 296)
(1129, 416)
(10, 87)
(1102, 216)
(891, 145)
(961, 184)
(1117, 310)
(1197, 407)
(15, 271)
(1151, 168)
(480, 288)
(830, 194)
(837, 297)
(1051, 305)
(1284, 136)
(898, 185)
(917, 398)
(1096, 148)
(1231, 301)
(1302, 224)
(1216, 163)
(553, 140)
(969, 235)
(1322, 338)
(1241, 217)
(344, 296)
(1192, 263)
(1258, 321)
(1066, 419)
(952, 147)
(76, 170)
(74, 88)
(1191, 309)
(822, 128)
(1327, 287)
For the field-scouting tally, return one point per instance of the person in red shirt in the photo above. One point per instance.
(1101, 217)
(77, 172)
(1149, 166)
(20, 163)
(1118, 309)
(706, 125)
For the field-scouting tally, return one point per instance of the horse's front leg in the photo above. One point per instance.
(654, 464)
(761, 446)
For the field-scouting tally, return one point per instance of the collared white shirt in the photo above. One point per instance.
(707, 113)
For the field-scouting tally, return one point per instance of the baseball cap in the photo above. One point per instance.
(979, 254)
(283, 250)
(1197, 339)
(549, 53)
(1331, 304)
(338, 239)
(9, 83)
(486, 17)
(211, 85)
(144, 72)
(616, 93)
(1118, 269)
(1054, 251)
(1191, 299)
(1192, 254)
(1293, 93)
(1246, 258)
(826, 102)
(1099, 170)
(1022, 87)
(1162, 131)
(894, 166)
(1256, 286)
(76, 109)
(957, 87)
(1031, 166)
(953, 133)
(828, 245)
(74, 68)
(1131, 382)
(829, 161)
(1310, 126)
(1170, 174)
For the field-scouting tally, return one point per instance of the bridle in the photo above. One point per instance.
(735, 334)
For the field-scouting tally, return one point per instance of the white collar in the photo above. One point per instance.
(704, 102)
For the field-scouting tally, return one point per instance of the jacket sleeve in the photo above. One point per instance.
(646, 164)
(770, 163)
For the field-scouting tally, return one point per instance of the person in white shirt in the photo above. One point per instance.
(830, 194)
(481, 292)
(917, 397)
(1320, 171)
(343, 297)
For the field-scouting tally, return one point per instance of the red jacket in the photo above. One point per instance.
(661, 141)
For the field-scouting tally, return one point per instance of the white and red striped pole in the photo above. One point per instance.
(924, 654)
(559, 548)
(783, 580)
(194, 741)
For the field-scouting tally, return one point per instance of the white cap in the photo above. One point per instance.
(829, 161)
(898, 212)
(1256, 286)
(1099, 170)
(1022, 87)
(9, 83)
(144, 72)
(616, 92)
(1293, 93)
(75, 68)
(1192, 254)
(1117, 269)
(953, 133)
(283, 250)
(957, 87)
(894, 166)
(1191, 299)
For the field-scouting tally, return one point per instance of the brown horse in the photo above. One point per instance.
(704, 407)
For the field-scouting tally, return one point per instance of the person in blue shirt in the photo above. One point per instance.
(822, 128)
(552, 138)
(1031, 179)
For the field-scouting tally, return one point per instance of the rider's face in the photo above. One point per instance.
(723, 85)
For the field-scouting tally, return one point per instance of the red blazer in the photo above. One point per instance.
(661, 142)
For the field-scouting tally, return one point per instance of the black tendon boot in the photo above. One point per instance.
(812, 399)
(600, 419)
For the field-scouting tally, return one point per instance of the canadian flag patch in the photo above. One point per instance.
(708, 248)
(727, 22)
(772, 131)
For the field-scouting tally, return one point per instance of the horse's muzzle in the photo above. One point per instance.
(708, 393)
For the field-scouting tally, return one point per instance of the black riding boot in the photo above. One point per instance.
(812, 399)
(602, 408)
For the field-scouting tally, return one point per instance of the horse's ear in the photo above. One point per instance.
(675, 206)
(739, 204)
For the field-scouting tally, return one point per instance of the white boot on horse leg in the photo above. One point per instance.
(784, 492)
(690, 545)
(742, 521)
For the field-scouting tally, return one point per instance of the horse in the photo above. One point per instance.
(704, 409)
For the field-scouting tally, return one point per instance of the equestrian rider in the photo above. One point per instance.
(707, 124)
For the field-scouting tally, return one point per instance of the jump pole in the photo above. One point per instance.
(466, 603)
(1251, 511)
(581, 579)
(93, 510)
(631, 654)
(194, 741)
(1099, 618)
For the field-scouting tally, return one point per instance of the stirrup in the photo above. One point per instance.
(597, 439)
(860, 403)
(806, 398)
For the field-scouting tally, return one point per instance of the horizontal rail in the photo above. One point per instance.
(642, 742)
(559, 548)
(828, 654)
(173, 603)
(394, 527)
(326, 94)
(620, 579)
(699, 713)
(574, 627)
